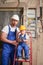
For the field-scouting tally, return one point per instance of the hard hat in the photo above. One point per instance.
(16, 17)
(22, 27)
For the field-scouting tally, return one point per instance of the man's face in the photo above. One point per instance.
(14, 22)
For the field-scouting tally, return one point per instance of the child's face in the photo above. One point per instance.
(23, 31)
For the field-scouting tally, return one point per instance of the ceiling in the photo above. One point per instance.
(30, 3)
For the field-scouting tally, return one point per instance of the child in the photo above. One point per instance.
(23, 43)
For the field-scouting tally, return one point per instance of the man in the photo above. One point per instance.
(8, 37)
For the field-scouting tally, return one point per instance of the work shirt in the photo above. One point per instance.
(6, 29)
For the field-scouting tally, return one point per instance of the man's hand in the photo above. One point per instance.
(14, 43)
(4, 39)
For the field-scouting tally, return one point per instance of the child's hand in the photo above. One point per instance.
(20, 40)
(24, 40)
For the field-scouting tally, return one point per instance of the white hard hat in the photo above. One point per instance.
(16, 17)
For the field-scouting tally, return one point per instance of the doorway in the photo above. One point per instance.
(6, 13)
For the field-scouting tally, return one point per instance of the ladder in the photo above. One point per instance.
(30, 58)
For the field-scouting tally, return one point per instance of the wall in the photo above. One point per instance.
(37, 44)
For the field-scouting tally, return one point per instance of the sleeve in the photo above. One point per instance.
(27, 36)
(5, 29)
(19, 35)
(18, 30)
